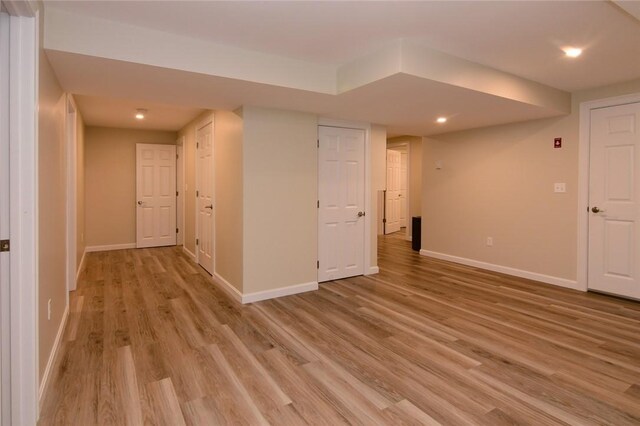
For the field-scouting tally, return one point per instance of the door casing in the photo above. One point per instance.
(200, 125)
(370, 244)
(171, 198)
(72, 149)
(23, 189)
(582, 280)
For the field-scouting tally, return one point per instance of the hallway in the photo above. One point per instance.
(151, 340)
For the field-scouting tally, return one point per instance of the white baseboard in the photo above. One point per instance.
(227, 287)
(373, 270)
(52, 356)
(279, 292)
(89, 249)
(548, 279)
(81, 266)
(263, 295)
(188, 252)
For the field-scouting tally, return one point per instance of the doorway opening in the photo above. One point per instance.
(609, 196)
(341, 202)
(400, 205)
(205, 224)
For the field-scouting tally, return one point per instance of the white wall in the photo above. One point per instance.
(280, 193)
(228, 207)
(52, 198)
(110, 184)
(378, 183)
(498, 182)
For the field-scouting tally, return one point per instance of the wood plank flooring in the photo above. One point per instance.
(151, 340)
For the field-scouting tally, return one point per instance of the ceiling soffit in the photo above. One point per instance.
(121, 42)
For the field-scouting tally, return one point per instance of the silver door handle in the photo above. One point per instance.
(360, 214)
(210, 206)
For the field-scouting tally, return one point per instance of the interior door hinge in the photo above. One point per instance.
(176, 193)
(197, 145)
(318, 203)
(318, 143)
(176, 156)
(5, 245)
(318, 264)
(197, 193)
(177, 231)
(197, 241)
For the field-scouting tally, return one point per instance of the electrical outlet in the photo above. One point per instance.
(560, 187)
(489, 241)
(49, 310)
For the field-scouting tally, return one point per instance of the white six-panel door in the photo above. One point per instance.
(340, 203)
(393, 199)
(156, 195)
(204, 183)
(614, 201)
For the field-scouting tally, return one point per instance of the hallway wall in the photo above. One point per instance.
(110, 182)
(52, 210)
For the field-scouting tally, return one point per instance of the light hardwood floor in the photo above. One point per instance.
(150, 340)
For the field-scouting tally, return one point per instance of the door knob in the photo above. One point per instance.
(596, 210)
(210, 206)
(360, 214)
(139, 203)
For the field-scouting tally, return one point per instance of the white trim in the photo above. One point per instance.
(188, 253)
(228, 288)
(407, 225)
(52, 357)
(81, 265)
(330, 122)
(279, 292)
(71, 144)
(23, 139)
(200, 124)
(110, 247)
(5, 231)
(257, 296)
(373, 270)
(562, 282)
(583, 179)
(180, 199)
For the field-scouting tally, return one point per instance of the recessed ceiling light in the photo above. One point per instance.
(442, 120)
(140, 113)
(572, 52)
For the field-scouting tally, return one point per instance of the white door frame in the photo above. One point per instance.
(583, 179)
(409, 223)
(5, 258)
(71, 122)
(23, 190)
(156, 199)
(368, 268)
(180, 188)
(199, 125)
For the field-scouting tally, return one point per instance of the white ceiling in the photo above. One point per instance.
(120, 112)
(523, 38)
